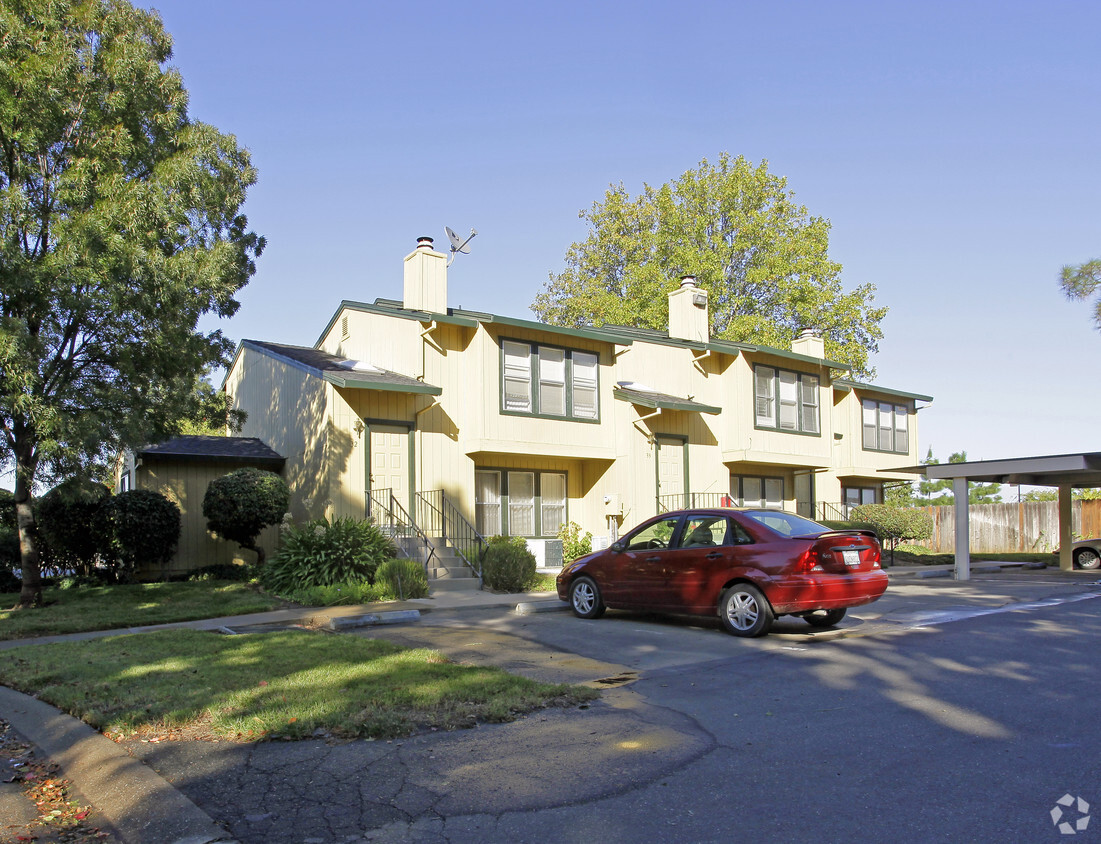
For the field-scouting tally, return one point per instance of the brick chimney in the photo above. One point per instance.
(810, 344)
(425, 279)
(688, 319)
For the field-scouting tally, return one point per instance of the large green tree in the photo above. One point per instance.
(120, 227)
(762, 258)
(1081, 281)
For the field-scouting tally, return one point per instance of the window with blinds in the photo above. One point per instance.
(549, 381)
(786, 401)
(886, 426)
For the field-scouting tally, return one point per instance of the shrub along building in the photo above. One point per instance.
(414, 412)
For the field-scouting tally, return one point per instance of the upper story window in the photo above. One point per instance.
(886, 426)
(786, 401)
(549, 381)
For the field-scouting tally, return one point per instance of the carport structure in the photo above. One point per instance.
(1064, 471)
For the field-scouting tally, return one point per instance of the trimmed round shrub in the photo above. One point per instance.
(402, 578)
(140, 529)
(66, 518)
(508, 565)
(324, 553)
(239, 505)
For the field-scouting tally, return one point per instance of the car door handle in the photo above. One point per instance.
(653, 559)
(714, 555)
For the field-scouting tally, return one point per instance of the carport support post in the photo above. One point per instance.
(963, 530)
(1066, 537)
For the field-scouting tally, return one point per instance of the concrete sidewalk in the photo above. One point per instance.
(143, 807)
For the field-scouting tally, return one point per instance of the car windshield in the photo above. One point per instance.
(785, 524)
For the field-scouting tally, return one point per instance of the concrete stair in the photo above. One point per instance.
(447, 572)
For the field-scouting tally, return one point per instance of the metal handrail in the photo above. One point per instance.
(387, 513)
(439, 516)
(689, 500)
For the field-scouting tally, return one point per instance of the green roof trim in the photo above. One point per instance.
(388, 307)
(845, 386)
(663, 401)
(597, 334)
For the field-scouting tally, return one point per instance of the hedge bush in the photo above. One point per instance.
(239, 505)
(895, 523)
(402, 578)
(324, 553)
(508, 565)
(139, 528)
(66, 519)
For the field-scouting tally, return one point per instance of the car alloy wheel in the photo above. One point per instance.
(1087, 558)
(585, 598)
(745, 611)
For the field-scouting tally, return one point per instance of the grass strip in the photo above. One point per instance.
(266, 685)
(89, 608)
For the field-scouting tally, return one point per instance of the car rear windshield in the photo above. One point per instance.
(785, 524)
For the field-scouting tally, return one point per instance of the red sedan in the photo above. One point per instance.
(749, 566)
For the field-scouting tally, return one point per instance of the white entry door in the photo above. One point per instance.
(390, 460)
(671, 470)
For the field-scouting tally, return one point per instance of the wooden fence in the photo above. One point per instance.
(1027, 526)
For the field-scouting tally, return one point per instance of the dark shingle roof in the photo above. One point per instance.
(340, 371)
(248, 450)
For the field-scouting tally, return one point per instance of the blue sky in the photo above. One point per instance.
(954, 146)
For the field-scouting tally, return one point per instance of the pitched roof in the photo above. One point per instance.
(341, 371)
(200, 448)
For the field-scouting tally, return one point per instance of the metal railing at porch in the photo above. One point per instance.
(831, 512)
(438, 516)
(689, 500)
(389, 516)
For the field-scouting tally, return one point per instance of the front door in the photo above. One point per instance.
(389, 461)
(671, 472)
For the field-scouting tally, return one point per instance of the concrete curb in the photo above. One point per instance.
(529, 607)
(350, 622)
(138, 803)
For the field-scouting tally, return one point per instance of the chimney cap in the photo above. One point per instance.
(688, 281)
(424, 242)
(808, 332)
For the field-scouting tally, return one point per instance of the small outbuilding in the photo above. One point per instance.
(181, 469)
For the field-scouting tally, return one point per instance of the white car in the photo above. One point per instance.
(1087, 553)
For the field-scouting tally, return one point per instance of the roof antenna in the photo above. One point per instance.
(458, 245)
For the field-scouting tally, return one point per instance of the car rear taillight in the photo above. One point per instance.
(809, 561)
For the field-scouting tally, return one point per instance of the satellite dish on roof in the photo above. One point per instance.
(458, 244)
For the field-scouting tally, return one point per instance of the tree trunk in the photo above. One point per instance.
(31, 561)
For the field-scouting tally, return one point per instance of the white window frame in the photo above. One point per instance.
(561, 383)
(785, 400)
(886, 426)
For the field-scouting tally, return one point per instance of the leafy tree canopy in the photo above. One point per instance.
(120, 226)
(737, 228)
(1086, 494)
(1081, 281)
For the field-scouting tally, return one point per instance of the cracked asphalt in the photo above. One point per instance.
(944, 689)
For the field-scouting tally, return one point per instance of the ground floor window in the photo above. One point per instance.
(854, 496)
(512, 502)
(757, 491)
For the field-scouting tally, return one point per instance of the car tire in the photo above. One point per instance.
(585, 600)
(745, 611)
(824, 618)
(1087, 558)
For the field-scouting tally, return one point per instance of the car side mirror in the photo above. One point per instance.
(619, 546)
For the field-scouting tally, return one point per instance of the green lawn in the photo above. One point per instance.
(112, 607)
(265, 685)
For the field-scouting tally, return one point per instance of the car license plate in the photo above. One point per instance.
(852, 558)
